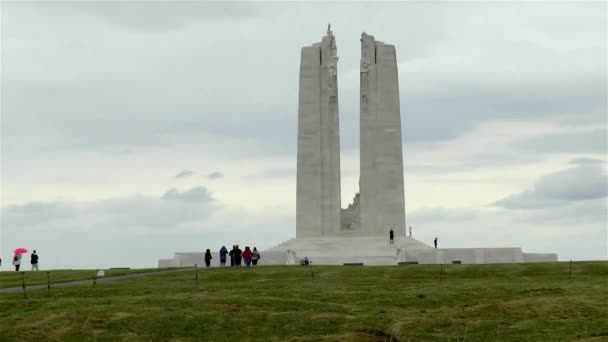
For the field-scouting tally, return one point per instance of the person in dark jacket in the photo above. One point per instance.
(435, 242)
(34, 261)
(208, 258)
(231, 254)
(238, 255)
(223, 253)
(391, 236)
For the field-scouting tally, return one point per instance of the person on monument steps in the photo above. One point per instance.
(391, 236)
(208, 258)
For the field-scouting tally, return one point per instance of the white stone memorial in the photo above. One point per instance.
(326, 233)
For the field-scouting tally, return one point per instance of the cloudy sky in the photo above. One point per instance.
(134, 130)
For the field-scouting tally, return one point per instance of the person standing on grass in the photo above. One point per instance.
(231, 254)
(223, 253)
(255, 256)
(238, 256)
(34, 261)
(17, 261)
(247, 256)
(208, 258)
(435, 242)
(391, 236)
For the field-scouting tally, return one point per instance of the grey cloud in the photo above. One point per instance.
(194, 195)
(133, 231)
(580, 183)
(441, 215)
(593, 141)
(184, 174)
(275, 173)
(585, 161)
(137, 213)
(215, 175)
(448, 83)
(576, 230)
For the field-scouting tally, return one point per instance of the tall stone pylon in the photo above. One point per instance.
(318, 177)
(382, 198)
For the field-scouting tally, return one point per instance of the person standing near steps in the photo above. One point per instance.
(17, 261)
(255, 256)
(34, 261)
(231, 254)
(247, 256)
(208, 258)
(223, 253)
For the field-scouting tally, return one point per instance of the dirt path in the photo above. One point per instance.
(89, 281)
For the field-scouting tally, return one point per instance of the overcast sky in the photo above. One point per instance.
(134, 130)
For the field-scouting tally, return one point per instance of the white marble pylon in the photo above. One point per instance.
(318, 169)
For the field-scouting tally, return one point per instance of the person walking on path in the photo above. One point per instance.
(231, 254)
(435, 242)
(238, 256)
(208, 258)
(410, 231)
(17, 261)
(34, 261)
(247, 256)
(391, 236)
(223, 253)
(255, 256)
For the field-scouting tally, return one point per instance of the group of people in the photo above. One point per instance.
(237, 256)
(17, 261)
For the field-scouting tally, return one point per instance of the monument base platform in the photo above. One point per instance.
(369, 251)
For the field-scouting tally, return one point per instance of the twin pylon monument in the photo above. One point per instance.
(325, 232)
(380, 204)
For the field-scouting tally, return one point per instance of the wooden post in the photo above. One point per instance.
(312, 274)
(23, 282)
(95, 277)
(48, 283)
(196, 271)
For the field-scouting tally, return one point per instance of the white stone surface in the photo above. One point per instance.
(325, 233)
(369, 251)
(381, 153)
(318, 172)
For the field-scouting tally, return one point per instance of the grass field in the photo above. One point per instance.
(12, 279)
(518, 302)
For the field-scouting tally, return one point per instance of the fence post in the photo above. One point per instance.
(48, 283)
(95, 277)
(23, 282)
(312, 274)
(196, 272)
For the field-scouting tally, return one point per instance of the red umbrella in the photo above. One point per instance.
(20, 251)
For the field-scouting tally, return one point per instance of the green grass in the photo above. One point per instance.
(12, 279)
(516, 302)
